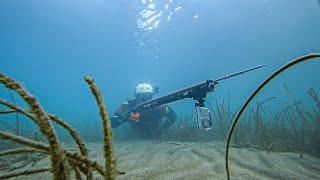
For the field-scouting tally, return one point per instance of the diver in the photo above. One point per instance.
(154, 123)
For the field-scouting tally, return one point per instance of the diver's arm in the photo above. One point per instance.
(115, 121)
(118, 119)
(167, 120)
(120, 116)
(170, 115)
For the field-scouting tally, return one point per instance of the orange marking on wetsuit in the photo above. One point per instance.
(135, 116)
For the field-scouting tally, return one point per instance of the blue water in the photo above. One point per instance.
(51, 45)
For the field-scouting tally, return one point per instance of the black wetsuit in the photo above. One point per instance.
(153, 123)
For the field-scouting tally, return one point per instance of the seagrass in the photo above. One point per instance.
(290, 64)
(62, 161)
(108, 149)
(59, 166)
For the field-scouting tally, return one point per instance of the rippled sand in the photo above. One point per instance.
(200, 160)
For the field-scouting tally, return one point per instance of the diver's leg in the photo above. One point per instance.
(163, 127)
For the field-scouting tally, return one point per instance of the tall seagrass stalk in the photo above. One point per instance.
(276, 73)
(110, 163)
(59, 165)
(62, 161)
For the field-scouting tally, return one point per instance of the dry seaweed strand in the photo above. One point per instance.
(17, 114)
(77, 174)
(20, 150)
(110, 163)
(41, 147)
(23, 173)
(76, 137)
(73, 133)
(3, 122)
(60, 159)
(23, 141)
(60, 167)
(255, 92)
(80, 167)
(7, 111)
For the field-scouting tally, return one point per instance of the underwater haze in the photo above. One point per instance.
(50, 46)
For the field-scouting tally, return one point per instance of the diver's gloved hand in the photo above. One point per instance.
(119, 118)
(124, 116)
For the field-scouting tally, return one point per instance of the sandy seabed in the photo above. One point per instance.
(198, 160)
